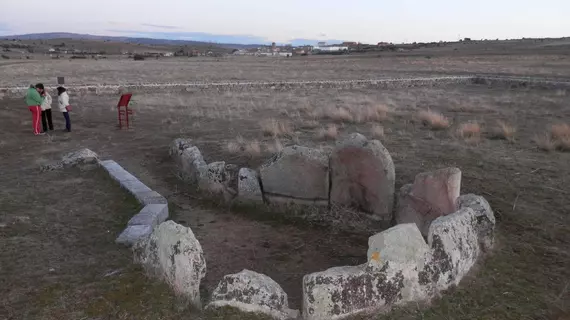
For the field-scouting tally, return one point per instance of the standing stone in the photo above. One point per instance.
(249, 189)
(389, 278)
(252, 292)
(188, 158)
(485, 219)
(432, 195)
(455, 249)
(363, 176)
(173, 254)
(297, 174)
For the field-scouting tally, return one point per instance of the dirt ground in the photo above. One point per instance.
(526, 277)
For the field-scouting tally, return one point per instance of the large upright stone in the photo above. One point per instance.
(173, 254)
(391, 277)
(363, 176)
(485, 219)
(455, 249)
(252, 292)
(432, 195)
(297, 174)
(188, 158)
(249, 189)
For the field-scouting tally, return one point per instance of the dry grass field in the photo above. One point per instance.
(58, 260)
(114, 71)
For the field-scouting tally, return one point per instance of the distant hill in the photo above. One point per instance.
(135, 40)
(155, 41)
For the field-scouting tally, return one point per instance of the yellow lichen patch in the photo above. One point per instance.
(375, 256)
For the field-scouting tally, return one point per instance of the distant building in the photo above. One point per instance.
(321, 44)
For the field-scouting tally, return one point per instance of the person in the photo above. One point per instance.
(63, 101)
(47, 123)
(34, 101)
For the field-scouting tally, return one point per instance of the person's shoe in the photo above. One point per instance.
(41, 134)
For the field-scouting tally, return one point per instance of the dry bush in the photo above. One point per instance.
(329, 133)
(545, 142)
(560, 131)
(253, 148)
(234, 147)
(504, 131)
(339, 114)
(470, 131)
(377, 131)
(309, 124)
(274, 147)
(564, 144)
(275, 128)
(434, 120)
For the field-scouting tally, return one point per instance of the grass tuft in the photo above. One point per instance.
(433, 120)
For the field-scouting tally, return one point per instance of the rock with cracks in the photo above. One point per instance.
(454, 249)
(252, 292)
(249, 190)
(173, 254)
(432, 195)
(297, 175)
(363, 176)
(485, 219)
(215, 178)
(188, 158)
(389, 278)
(83, 157)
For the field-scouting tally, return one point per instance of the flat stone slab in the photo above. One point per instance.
(297, 173)
(151, 215)
(150, 197)
(133, 234)
(363, 176)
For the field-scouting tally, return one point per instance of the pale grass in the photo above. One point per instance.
(434, 120)
(253, 149)
(560, 131)
(328, 133)
(377, 131)
(545, 142)
(274, 147)
(469, 130)
(504, 131)
(275, 128)
(339, 114)
(309, 124)
(233, 147)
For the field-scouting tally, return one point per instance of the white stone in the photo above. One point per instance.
(455, 247)
(402, 243)
(297, 174)
(173, 254)
(253, 292)
(249, 189)
(189, 159)
(151, 215)
(133, 234)
(149, 197)
(485, 219)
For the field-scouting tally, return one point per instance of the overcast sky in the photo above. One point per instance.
(271, 20)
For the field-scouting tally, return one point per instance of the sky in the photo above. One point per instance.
(257, 21)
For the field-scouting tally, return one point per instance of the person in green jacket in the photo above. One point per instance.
(34, 101)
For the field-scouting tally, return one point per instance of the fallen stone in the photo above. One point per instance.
(363, 176)
(297, 174)
(432, 195)
(83, 157)
(249, 189)
(485, 219)
(173, 254)
(252, 292)
(151, 215)
(133, 234)
(455, 249)
(402, 243)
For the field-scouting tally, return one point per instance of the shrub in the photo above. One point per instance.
(5, 57)
(138, 57)
(433, 120)
(503, 131)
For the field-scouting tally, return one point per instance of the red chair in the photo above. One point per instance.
(123, 110)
